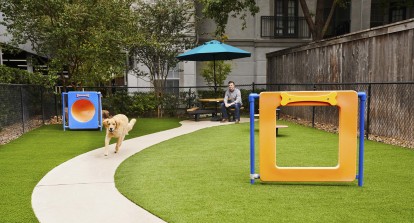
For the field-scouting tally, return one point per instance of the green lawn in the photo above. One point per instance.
(204, 177)
(24, 161)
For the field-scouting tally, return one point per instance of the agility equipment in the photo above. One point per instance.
(82, 110)
(344, 171)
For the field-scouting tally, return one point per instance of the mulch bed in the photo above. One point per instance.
(14, 131)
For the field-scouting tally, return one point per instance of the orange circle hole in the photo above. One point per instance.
(83, 110)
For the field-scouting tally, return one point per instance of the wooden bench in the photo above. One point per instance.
(277, 126)
(197, 112)
(231, 114)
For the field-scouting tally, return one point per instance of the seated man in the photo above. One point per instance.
(232, 99)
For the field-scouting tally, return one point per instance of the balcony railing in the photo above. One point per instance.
(284, 27)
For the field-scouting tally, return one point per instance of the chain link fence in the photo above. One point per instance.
(388, 114)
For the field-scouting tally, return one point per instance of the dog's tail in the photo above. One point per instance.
(131, 124)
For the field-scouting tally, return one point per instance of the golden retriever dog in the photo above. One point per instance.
(117, 127)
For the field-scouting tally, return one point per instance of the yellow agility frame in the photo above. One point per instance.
(347, 103)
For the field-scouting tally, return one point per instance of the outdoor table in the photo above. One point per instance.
(209, 100)
(206, 101)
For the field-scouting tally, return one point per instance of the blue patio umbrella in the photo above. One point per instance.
(212, 51)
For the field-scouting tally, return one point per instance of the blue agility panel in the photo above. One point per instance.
(84, 110)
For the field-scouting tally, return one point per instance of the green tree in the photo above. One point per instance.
(10, 75)
(166, 29)
(320, 25)
(84, 37)
(222, 70)
(220, 10)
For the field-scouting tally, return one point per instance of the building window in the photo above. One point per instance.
(286, 13)
(172, 86)
(383, 13)
(397, 12)
(173, 81)
(377, 14)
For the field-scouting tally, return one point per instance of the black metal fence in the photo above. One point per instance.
(23, 108)
(388, 113)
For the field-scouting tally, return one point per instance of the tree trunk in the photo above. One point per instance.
(319, 27)
(328, 20)
(308, 17)
(319, 22)
(159, 93)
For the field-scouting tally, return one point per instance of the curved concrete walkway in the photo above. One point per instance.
(83, 188)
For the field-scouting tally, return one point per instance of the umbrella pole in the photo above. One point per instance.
(214, 76)
(215, 118)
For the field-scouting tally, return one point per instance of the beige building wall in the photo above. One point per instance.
(253, 69)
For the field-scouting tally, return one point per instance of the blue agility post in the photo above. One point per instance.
(362, 98)
(253, 176)
(64, 105)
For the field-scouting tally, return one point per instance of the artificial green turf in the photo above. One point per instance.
(24, 161)
(204, 177)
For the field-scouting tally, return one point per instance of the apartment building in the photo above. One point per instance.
(23, 59)
(280, 24)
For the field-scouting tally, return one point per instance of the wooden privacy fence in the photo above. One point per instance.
(382, 57)
(382, 54)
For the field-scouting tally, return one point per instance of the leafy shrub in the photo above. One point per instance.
(10, 75)
(170, 103)
(245, 97)
(211, 93)
(144, 104)
(117, 103)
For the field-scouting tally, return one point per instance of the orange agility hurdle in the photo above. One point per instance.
(344, 171)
